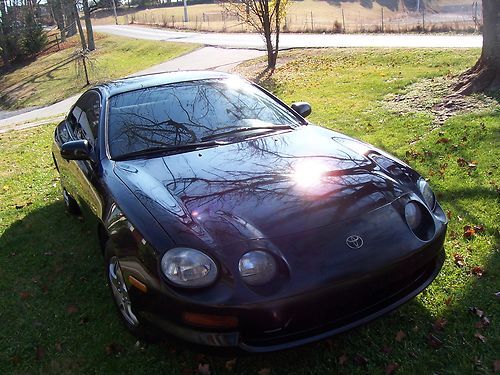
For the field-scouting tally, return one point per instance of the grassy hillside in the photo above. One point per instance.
(59, 75)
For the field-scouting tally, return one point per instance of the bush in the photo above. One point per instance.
(34, 38)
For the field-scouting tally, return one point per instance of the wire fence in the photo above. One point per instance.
(318, 22)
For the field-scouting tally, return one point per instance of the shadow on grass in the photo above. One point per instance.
(10, 95)
(52, 261)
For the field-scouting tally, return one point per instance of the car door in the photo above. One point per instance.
(83, 123)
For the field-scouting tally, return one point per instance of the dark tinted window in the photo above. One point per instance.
(185, 112)
(84, 118)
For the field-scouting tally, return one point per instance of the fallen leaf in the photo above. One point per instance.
(386, 349)
(71, 309)
(439, 324)
(496, 365)
(477, 271)
(25, 295)
(448, 214)
(264, 371)
(391, 368)
(469, 231)
(400, 335)
(434, 341)
(443, 140)
(113, 348)
(16, 359)
(480, 337)
(472, 165)
(230, 364)
(343, 359)
(39, 353)
(204, 369)
(476, 311)
(478, 228)
(485, 321)
(461, 162)
(448, 300)
(360, 360)
(459, 259)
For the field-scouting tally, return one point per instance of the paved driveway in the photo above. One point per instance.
(249, 40)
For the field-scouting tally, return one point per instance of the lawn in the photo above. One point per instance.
(57, 316)
(57, 76)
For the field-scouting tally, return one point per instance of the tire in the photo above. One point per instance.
(120, 294)
(70, 203)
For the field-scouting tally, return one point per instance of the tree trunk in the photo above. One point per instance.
(485, 75)
(3, 35)
(58, 15)
(79, 25)
(277, 10)
(88, 25)
(266, 25)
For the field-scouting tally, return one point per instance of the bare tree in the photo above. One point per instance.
(485, 75)
(266, 17)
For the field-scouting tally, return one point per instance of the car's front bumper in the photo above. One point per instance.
(311, 316)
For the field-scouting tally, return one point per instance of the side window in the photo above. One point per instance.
(84, 118)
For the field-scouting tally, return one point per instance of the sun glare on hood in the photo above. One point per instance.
(308, 173)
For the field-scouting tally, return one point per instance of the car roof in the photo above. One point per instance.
(150, 80)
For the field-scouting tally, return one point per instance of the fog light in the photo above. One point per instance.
(210, 321)
(257, 267)
(419, 220)
(413, 215)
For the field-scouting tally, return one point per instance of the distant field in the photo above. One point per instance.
(303, 16)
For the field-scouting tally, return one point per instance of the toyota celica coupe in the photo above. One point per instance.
(226, 219)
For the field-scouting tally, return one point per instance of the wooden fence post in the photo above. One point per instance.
(382, 9)
(83, 54)
(343, 21)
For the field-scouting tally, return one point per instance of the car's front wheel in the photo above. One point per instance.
(120, 293)
(70, 203)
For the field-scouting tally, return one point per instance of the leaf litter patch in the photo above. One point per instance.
(436, 96)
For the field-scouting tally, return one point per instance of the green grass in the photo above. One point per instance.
(52, 285)
(55, 77)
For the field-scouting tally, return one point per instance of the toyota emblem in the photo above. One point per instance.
(354, 242)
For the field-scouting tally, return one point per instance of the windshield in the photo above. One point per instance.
(189, 112)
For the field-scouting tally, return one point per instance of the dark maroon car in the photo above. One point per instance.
(228, 220)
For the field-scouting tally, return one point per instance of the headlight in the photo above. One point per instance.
(188, 267)
(257, 267)
(413, 215)
(425, 189)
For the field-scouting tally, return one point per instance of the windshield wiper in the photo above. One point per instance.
(169, 149)
(246, 129)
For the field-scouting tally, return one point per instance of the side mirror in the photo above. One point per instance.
(302, 108)
(76, 150)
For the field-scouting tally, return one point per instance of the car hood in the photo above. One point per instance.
(265, 187)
